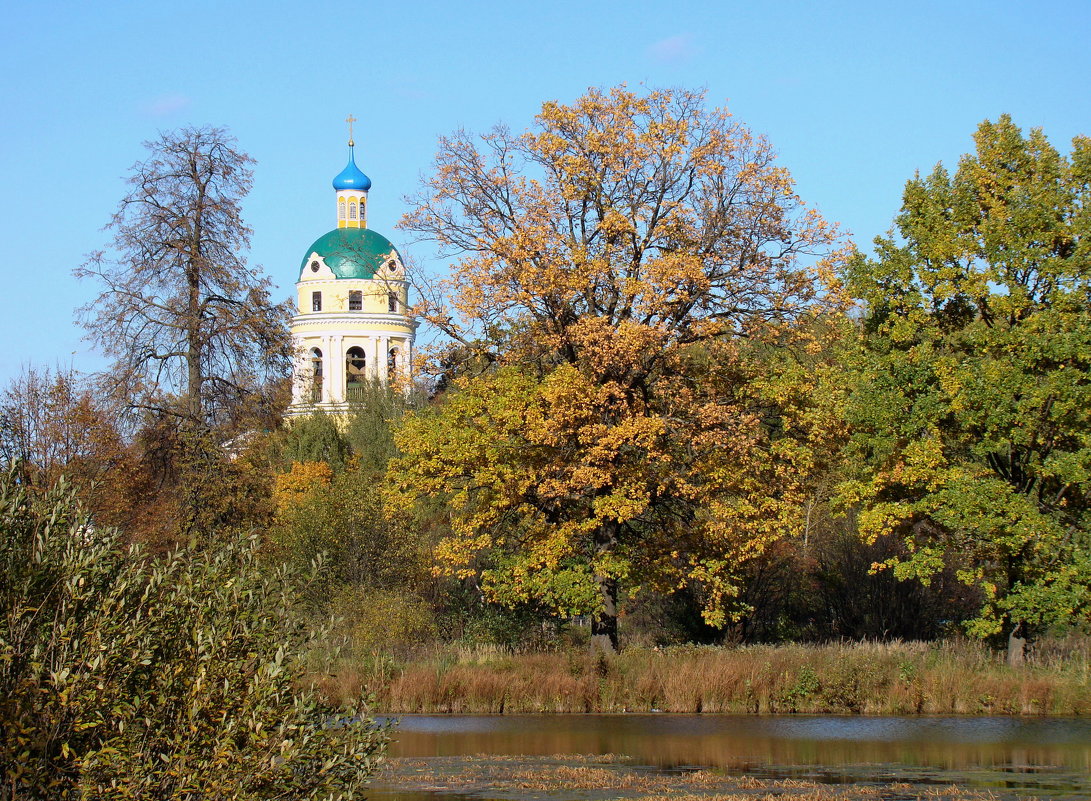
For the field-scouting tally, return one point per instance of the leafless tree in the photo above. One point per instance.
(189, 323)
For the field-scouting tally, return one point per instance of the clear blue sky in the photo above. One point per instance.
(854, 95)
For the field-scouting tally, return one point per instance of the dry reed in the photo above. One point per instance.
(958, 677)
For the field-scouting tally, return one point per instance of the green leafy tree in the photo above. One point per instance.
(371, 422)
(313, 438)
(972, 395)
(346, 517)
(374, 577)
(127, 677)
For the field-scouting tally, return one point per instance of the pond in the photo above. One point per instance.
(1012, 757)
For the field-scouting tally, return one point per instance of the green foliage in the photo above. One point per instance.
(314, 438)
(972, 399)
(362, 438)
(468, 617)
(330, 505)
(371, 422)
(215, 492)
(123, 676)
(377, 621)
(364, 542)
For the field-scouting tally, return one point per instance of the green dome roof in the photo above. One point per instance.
(351, 252)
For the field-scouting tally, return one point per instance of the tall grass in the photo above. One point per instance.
(955, 677)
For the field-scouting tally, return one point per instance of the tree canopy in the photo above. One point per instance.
(621, 271)
(181, 312)
(972, 401)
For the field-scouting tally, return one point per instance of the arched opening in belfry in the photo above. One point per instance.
(316, 376)
(355, 373)
(392, 362)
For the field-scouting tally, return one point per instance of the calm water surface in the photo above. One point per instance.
(1050, 757)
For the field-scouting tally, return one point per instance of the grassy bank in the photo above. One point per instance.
(958, 678)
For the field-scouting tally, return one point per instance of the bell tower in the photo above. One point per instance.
(352, 324)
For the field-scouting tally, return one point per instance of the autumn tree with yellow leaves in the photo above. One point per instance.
(626, 276)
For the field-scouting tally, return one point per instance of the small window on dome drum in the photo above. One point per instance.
(341, 210)
(316, 301)
(356, 300)
(391, 302)
(352, 211)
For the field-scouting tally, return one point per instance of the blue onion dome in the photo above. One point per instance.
(352, 177)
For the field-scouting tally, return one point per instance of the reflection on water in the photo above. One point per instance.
(1050, 755)
(734, 741)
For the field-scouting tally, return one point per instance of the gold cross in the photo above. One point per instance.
(350, 120)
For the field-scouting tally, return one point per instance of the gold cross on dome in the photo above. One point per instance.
(350, 120)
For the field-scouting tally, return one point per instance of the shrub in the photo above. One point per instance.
(123, 676)
(378, 621)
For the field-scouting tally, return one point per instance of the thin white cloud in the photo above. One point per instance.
(168, 104)
(673, 49)
(410, 89)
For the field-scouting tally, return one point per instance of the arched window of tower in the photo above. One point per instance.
(341, 209)
(316, 375)
(356, 300)
(392, 301)
(352, 211)
(392, 362)
(355, 373)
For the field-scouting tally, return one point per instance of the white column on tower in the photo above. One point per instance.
(327, 368)
(384, 365)
(337, 369)
(299, 375)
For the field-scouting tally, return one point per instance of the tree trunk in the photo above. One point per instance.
(1017, 646)
(194, 376)
(604, 621)
(195, 268)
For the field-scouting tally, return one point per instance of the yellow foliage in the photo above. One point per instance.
(292, 487)
(652, 300)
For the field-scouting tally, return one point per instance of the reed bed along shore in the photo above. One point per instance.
(959, 678)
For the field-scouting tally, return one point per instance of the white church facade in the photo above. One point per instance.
(352, 322)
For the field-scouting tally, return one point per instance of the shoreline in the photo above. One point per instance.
(387, 715)
(957, 679)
